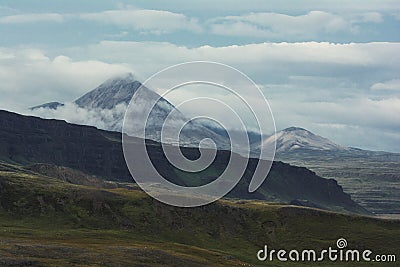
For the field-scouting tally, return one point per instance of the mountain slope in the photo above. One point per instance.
(27, 140)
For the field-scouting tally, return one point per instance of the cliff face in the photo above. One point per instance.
(26, 140)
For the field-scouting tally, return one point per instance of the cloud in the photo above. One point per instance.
(307, 83)
(277, 25)
(387, 85)
(32, 18)
(6, 55)
(107, 119)
(364, 112)
(357, 122)
(240, 28)
(152, 56)
(62, 77)
(361, 137)
(145, 20)
(29, 77)
(374, 17)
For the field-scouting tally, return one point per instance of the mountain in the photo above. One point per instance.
(372, 178)
(28, 140)
(295, 138)
(114, 95)
(50, 105)
(119, 91)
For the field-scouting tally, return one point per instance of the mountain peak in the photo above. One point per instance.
(294, 128)
(114, 91)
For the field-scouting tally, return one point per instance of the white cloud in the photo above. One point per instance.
(275, 25)
(107, 119)
(63, 77)
(6, 55)
(340, 6)
(357, 122)
(153, 55)
(240, 28)
(146, 20)
(361, 111)
(361, 137)
(32, 18)
(387, 85)
(301, 76)
(29, 77)
(374, 17)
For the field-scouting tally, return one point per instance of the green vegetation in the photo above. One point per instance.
(47, 221)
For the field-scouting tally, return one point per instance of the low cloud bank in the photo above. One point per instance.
(106, 119)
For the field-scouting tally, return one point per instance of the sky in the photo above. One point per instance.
(332, 67)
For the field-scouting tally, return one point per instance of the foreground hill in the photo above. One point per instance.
(47, 221)
(26, 140)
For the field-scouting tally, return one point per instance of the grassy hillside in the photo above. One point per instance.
(48, 221)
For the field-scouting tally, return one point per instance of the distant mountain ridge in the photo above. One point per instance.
(49, 105)
(28, 140)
